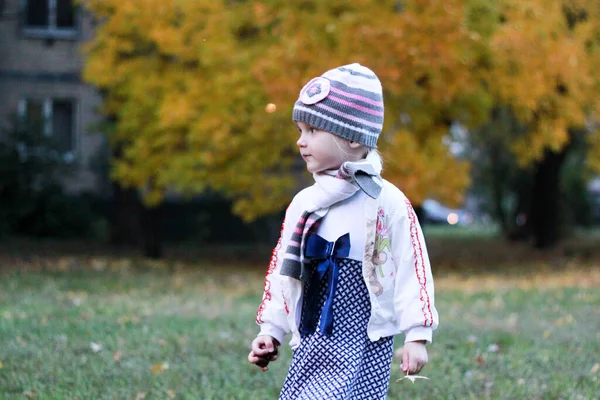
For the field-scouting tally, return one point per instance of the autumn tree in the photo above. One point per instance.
(189, 81)
(177, 80)
(541, 72)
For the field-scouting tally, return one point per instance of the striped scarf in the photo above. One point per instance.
(327, 191)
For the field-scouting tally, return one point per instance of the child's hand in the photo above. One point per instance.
(414, 357)
(264, 350)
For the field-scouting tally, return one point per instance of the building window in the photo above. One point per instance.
(56, 19)
(55, 118)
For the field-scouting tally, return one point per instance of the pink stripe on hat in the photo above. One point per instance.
(356, 106)
(357, 97)
(348, 116)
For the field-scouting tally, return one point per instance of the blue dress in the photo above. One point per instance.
(345, 364)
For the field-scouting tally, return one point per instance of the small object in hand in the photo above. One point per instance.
(412, 378)
(264, 360)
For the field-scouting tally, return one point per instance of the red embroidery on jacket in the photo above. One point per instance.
(287, 310)
(419, 266)
(272, 265)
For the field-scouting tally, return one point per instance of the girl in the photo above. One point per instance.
(350, 269)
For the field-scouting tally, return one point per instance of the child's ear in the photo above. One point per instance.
(354, 145)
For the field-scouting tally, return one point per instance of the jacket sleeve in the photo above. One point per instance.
(272, 312)
(414, 303)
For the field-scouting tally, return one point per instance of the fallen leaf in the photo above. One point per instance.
(117, 356)
(479, 359)
(471, 339)
(63, 264)
(156, 368)
(493, 348)
(546, 334)
(171, 394)
(566, 320)
(224, 335)
(412, 378)
(30, 394)
(594, 369)
(1, 366)
(140, 396)
(99, 264)
(468, 374)
(96, 347)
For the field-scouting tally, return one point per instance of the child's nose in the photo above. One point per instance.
(301, 142)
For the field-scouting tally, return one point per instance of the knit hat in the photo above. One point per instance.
(346, 101)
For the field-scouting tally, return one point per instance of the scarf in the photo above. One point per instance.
(330, 188)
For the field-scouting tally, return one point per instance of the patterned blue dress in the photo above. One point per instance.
(345, 364)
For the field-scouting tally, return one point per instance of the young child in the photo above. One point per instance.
(350, 269)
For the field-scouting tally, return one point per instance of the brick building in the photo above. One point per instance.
(40, 79)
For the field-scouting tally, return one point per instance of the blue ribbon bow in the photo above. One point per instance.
(326, 253)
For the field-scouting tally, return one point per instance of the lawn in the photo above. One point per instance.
(118, 328)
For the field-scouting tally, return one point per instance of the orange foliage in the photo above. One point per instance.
(189, 82)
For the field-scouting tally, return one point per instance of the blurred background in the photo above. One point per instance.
(147, 154)
(152, 123)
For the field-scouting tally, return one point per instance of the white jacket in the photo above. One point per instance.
(396, 271)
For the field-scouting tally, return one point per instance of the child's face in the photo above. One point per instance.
(322, 150)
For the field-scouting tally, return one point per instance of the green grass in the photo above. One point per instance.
(200, 322)
(443, 231)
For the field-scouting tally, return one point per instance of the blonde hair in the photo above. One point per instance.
(369, 152)
(351, 156)
(374, 154)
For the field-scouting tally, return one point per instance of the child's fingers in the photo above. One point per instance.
(253, 358)
(410, 364)
(417, 368)
(268, 344)
(414, 357)
(267, 358)
(413, 365)
(264, 345)
(405, 361)
(259, 346)
(264, 350)
(260, 362)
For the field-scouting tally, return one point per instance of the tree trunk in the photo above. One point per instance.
(499, 167)
(125, 221)
(133, 224)
(498, 175)
(125, 226)
(545, 204)
(152, 224)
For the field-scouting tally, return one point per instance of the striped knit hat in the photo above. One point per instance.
(346, 101)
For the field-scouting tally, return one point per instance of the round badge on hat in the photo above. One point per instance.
(315, 90)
